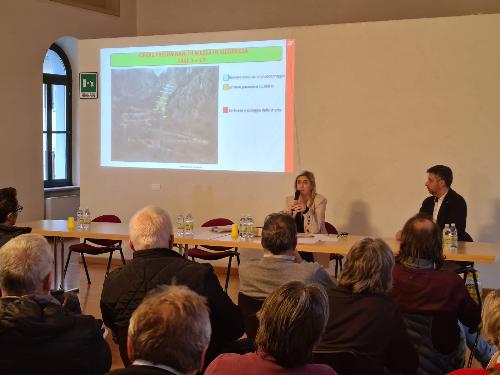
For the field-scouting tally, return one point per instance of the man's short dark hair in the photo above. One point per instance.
(421, 243)
(443, 172)
(279, 233)
(8, 202)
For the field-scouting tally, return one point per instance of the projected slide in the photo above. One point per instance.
(218, 106)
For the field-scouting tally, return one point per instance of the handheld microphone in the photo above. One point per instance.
(297, 195)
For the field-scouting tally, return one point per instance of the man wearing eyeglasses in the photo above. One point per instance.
(9, 210)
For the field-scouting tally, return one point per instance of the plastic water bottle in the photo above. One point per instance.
(188, 224)
(446, 238)
(180, 225)
(454, 237)
(243, 226)
(250, 227)
(79, 219)
(86, 219)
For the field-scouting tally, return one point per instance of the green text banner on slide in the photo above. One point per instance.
(200, 106)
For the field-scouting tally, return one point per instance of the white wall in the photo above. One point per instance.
(27, 29)
(376, 105)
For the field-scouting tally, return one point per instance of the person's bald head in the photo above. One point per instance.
(421, 238)
(423, 225)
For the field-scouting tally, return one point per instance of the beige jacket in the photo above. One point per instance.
(314, 219)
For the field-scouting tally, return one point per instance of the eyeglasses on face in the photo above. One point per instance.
(18, 209)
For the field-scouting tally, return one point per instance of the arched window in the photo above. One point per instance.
(56, 118)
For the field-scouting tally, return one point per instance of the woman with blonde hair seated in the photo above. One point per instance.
(490, 317)
(291, 321)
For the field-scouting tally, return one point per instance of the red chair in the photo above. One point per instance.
(216, 252)
(103, 246)
(336, 257)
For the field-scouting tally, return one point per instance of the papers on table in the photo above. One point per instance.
(313, 238)
(221, 229)
(325, 237)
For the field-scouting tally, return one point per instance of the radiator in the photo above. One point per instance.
(61, 207)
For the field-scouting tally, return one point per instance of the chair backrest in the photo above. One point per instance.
(467, 237)
(220, 221)
(105, 219)
(249, 306)
(330, 229)
(347, 362)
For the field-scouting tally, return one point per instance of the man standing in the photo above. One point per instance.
(154, 264)
(281, 262)
(38, 334)
(445, 205)
(9, 209)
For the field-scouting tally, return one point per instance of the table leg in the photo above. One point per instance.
(54, 281)
(61, 286)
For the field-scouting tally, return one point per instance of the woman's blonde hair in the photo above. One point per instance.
(310, 176)
(368, 267)
(490, 317)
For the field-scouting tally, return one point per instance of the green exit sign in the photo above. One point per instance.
(88, 85)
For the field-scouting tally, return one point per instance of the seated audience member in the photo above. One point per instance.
(154, 264)
(168, 333)
(9, 209)
(434, 301)
(491, 330)
(37, 334)
(291, 320)
(281, 262)
(362, 318)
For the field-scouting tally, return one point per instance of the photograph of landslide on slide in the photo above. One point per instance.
(164, 114)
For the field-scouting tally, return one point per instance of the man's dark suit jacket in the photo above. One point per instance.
(452, 210)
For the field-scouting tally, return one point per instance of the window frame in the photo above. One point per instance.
(63, 80)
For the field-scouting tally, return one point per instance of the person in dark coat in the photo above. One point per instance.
(9, 210)
(168, 333)
(439, 312)
(362, 317)
(38, 334)
(444, 205)
(154, 264)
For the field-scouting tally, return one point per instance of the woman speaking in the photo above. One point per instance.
(307, 208)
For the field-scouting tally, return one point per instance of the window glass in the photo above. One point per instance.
(59, 156)
(58, 108)
(52, 64)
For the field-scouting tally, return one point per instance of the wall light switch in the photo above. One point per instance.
(155, 187)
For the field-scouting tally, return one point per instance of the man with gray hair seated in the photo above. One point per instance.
(37, 333)
(281, 262)
(168, 333)
(154, 263)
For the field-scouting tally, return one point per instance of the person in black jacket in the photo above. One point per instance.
(445, 205)
(154, 264)
(37, 334)
(362, 317)
(9, 210)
